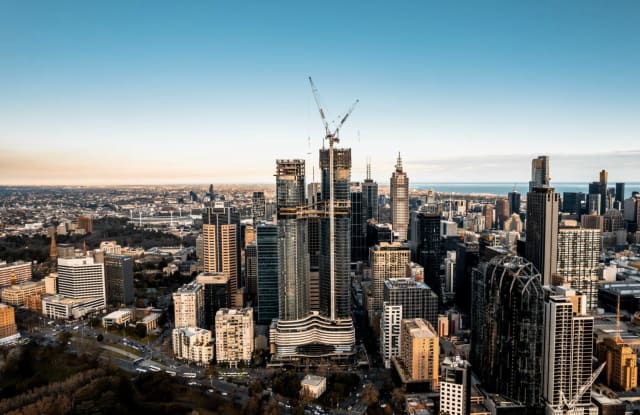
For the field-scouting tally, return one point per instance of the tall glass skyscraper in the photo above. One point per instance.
(370, 196)
(293, 254)
(267, 251)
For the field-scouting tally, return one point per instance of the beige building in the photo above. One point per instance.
(51, 284)
(388, 260)
(192, 344)
(16, 295)
(188, 303)
(110, 247)
(621, 370)
(419, 352)
(513, 224)
(312, 387)
(400, 201)
(8, 328)
(234, 335)
(14, 273)
(117, 317)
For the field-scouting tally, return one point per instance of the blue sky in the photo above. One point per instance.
(184, 92)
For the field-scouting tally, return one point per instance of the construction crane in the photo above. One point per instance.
(569, 406)
(332, 137)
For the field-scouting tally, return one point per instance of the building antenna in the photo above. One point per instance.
(618, 338)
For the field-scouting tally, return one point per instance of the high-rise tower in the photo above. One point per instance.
(400, 201)
(370, 196)
(539, 172)
(542, 230)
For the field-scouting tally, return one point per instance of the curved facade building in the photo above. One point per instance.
(313, 336)
(507, 329)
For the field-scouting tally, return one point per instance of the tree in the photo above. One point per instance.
(370, 395)
(141, 330)
(100, 337)
(286, 384)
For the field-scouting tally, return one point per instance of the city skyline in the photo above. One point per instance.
(151, 93)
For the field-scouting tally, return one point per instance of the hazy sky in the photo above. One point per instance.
(184, 92)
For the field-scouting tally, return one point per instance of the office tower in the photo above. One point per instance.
(17, 294)
(314, 242)
(390, 332)
(488, 212)
(192, 344)
(53, 252)
(473, 222)
(215, 295)
(118, 270)
(400, 201)
(450, 275)
(358, 224)
(539, 172)
(426, 246)
(467, 256)
(594, 204)
(258, 207)
(542, 230)
(14, 273)
(66, 250)
(613, 221)
(293, 255)
(592, 222)
(370, 197)
(598, 188)
(567, 352)
(377, 233)
(572, 202)
(620, 192)
(450, 228)
(415, 297)
(578, 260)
(8, 328)
(86, 223)
(455, 386)
(388, 260)
(222, 242)
(503, 211)
(251, 270)
(188, 304)
(631, 209)
(314, 192)
(506, 327)
(419, 352)
(267, 247)
(513, 224)
(621, 371)
(82, 278)
(514, 202)
(340, 294)
(234, 335)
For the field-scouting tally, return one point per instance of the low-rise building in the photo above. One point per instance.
(117, 317)
(312, 386)
(193, 344)
(61, 307)
(14, 273)
(17, 294)
(8, 328)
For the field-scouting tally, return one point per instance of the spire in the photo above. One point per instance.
(53, 250)
(399, 163)
(369, 169)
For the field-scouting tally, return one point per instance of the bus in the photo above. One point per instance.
(153, 368)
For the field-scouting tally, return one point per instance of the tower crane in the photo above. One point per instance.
(570, 406)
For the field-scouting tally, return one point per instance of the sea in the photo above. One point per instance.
(504, 188)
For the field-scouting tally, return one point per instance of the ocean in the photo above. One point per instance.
(504, 188)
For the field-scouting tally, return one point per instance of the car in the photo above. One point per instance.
(224, 394)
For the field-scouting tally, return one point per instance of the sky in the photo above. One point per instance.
(136, 92)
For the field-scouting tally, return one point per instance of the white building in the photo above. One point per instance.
(313, 386)
(117, 317)
(14, 273)
(82, 278)
(455, 386)
(193, 344)
(234, 335)
(61, 307)
(390, 332)
(110, 247)
(188, 303)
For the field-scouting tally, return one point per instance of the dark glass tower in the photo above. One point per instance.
(514, 202)
(258, 207)
(572, 202)
(370, 196)
(358, 224)
(425, 237)
(267, 252)
(620, 193)
(342, 251)
(542, 231)
(118, 271)
(293, 253)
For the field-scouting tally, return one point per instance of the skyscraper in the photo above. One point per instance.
(415, 297)
(578, 259)
(267, 251)
(388, 260)
(340, 294)
(514, 202)
(293, 255)
(539, 172)
(215, 295)
(620, 193)
(455, 386)
(188, 303)
(567, 352)
(251, 270)
(118, 271)
(502, 212)
(370, 196)
(542, 230)
(488, 212)
(358, 224)
(507, 316)
(82, 278)
(222, 242)
(400, 201)
(600, 188)
(426, 245)
(572, 202)
(258, 207)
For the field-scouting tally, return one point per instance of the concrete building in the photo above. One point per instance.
(388, 260)
(539, 172)
(192, 344)
(592, 221)
(488, 213)
(312, 387)
(416, 298)
(258, 207)
(51, 283)
(110, 247)
(503, 211)
(251, 271)
(14, 273)
(119, 278)
(82, 278)
(8, 328)
(86, 223)
(419, 353)
(455, 386)
(578, 260)
(542, 231)
(234, 335)
(567, 351)
(390, 332)
(513, 224)
(400, 201)
(61, 307)
(188, 303)
(16, 295)
(118, 317)
(621, 371)
(216, 296)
